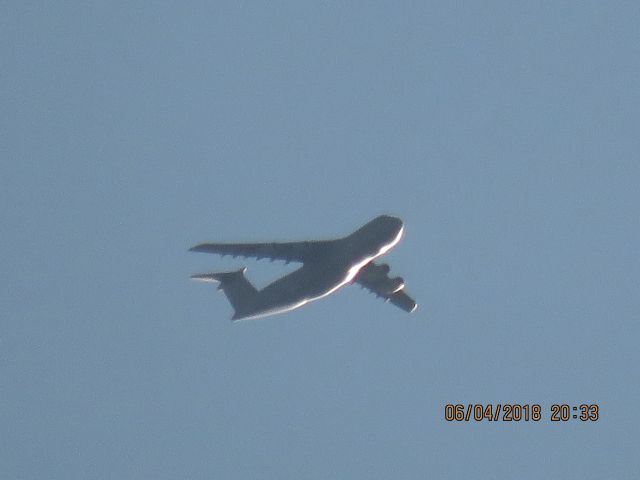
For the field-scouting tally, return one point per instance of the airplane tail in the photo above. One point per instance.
(240, 292)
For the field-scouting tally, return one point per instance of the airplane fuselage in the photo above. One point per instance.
(333, 268)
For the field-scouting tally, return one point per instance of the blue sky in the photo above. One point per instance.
(505, 134)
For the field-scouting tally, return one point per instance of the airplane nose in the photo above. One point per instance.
(396, 223)
(387, 225)
(391, 220)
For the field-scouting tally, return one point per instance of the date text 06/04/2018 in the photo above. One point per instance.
(515, 412)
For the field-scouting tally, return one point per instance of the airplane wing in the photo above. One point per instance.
(375, 278)
(287, 251)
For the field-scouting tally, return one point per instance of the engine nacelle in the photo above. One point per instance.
(384, 268)
(396, 284)
(375, 278)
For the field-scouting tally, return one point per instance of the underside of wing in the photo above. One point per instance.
(375, 278)
(287, 251)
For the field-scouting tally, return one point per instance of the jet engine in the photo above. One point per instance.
(375, 278)
(384, 268)
(395, 284)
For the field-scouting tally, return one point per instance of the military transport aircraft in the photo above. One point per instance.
(327, 265)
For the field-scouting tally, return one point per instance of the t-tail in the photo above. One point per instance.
(240, 292)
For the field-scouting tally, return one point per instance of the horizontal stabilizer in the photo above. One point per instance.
(220, 277)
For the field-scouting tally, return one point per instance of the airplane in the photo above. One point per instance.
(327, 265)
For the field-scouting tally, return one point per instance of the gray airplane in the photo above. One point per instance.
(327, 265)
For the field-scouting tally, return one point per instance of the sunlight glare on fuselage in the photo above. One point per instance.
(395, 241)
(353, 271)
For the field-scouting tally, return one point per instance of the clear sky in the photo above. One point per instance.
(505, 134)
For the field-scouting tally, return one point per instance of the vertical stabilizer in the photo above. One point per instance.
(240, 292)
